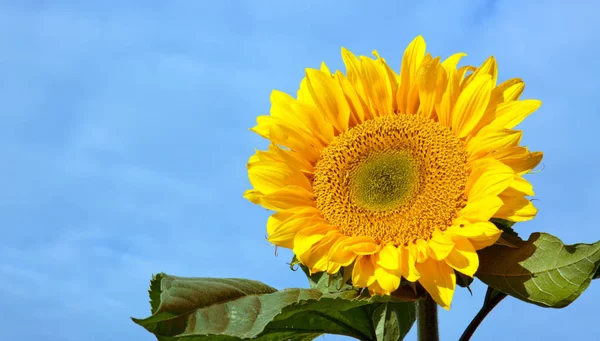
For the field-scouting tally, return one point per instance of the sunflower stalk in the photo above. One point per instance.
(427, 320)
(492, 298)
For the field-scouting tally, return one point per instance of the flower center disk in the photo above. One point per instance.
(384, 181)
(395, 178)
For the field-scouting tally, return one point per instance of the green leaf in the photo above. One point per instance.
(238, 309)
(174, 297)
(287, 336)
(154, 293)
(541, 271)
(388, 321)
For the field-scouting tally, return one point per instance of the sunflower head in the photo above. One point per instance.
(391, 175)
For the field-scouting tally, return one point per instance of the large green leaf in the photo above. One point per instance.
(541, 271)
(393, 320)
(201, 309)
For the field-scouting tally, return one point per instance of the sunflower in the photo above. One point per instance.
(393, 176)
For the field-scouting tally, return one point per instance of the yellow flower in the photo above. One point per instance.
(394, 175)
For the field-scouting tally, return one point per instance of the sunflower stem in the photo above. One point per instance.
(492, 298)
(427, 320)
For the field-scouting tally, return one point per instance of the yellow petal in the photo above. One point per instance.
(388, 280)
(451, 62)
(329, 98)
(471, 105)
(449, 98)
(294, 112)
(412, 104)
(488, 178)
(510, 114)
(316, 259)
(253, 196)
(388, 257)
(347, 250)
(393, 78)
(463, 257)
(285, 237)
(358, 109)
(376, 289)
(522, 185)
(377, 86)
(324, 68)
(337, 253)
(516, 207)
(362, 245)
(254, 158)
(286, 198)
(296, 140)
(292, 159)
(490, 139)
(263, 127)
(407, 263)
(489, 67)
(520, 159)
(509, 90)
(283, 226)
(304, 96)
(276, 219)
(421, 248)
(481, 209)
(353, 69)
(462, 71)
(282, 108)
(333, 268)
(480, 234)
(307, 237)
(340, 254)
(439, 280)
(270, 176)
(363, 274)
(432, 82)
(439, 246)
(413, 56)
(262, 155)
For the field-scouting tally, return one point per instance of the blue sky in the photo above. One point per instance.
(124, 138)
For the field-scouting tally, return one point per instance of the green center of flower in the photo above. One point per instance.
(384, 181)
